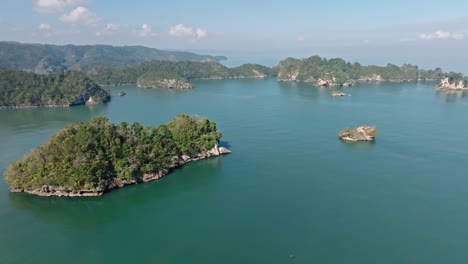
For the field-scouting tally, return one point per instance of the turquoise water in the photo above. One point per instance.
(290, 192)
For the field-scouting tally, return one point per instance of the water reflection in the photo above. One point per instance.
(452, 96)
(33, 118)
(304, 90)
(91, 213)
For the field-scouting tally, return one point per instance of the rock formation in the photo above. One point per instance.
(448, 84)
(360, 133)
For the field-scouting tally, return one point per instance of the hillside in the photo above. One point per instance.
(20, 89)
(43, 58)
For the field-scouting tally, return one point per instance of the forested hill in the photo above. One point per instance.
(43, 58)
(188, 70)
(338, 72)
(20, 89)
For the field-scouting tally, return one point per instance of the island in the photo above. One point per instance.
(21, 89)
(338, 72)
(175, 74)
(453, 81)
(92, 158)
(359, 133)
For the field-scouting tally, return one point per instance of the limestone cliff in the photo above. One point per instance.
(448, 83)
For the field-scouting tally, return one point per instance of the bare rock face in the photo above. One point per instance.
(360, 133)
(447, 84)
(223, 150)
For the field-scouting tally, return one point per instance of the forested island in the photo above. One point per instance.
(91, 158)
(158, 73)
(20, 89)
(44, 58)
(338, 72)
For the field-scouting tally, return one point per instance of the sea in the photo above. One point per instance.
(290, 191)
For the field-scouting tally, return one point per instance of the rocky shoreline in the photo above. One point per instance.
(48, 190)
(89, 101)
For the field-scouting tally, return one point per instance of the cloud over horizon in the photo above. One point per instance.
(44, 26)
(80, 15)
(439, 34)
(55, 6)
(146, 31)
(180, 30)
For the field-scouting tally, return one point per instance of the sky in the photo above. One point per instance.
(431, 33)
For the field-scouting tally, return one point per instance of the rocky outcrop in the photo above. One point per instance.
(360, 133)
(448, 84)
(165, 83)
(48, 190)
(339, 94)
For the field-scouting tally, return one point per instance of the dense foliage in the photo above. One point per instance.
(45, 58)
(91, 154)
(182, 69)
(340, 71)
(162, 80)
(24, 89)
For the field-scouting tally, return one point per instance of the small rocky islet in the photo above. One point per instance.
(359, 133)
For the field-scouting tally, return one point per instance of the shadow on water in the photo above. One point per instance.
(91, 213)
(452, 96)
(225, 144)
(42, 117)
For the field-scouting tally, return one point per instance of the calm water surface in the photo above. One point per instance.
(290, 192)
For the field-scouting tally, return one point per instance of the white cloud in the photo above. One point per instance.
(80, 15)
(200, 33)
(109, 30)
(439, 34)
(54, 6)
(146, 31)
(44, 26)
(300, 38)
(180, 30)
(112, 27)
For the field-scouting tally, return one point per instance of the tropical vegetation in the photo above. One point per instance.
(65, 88)
(93, 154)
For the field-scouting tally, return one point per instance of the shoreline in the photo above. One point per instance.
(48, 191)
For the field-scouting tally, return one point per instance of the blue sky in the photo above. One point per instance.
(367, 31)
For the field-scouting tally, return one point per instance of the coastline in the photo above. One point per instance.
(48, 191)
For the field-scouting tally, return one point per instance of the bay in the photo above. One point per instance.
(290, 192)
